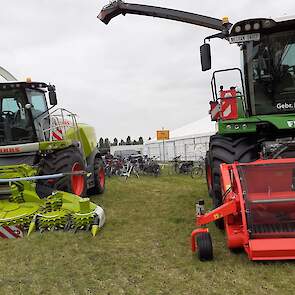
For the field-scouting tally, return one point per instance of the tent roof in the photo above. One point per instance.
(202, 127)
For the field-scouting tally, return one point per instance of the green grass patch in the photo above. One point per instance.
(144, 248)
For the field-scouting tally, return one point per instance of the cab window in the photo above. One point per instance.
(38, 101)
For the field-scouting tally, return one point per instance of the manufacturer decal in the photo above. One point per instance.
(10, 150)
(285, 106)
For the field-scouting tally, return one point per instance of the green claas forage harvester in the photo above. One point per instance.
(48, 162)
(261, 115)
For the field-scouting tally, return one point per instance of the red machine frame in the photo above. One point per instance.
(234, 212)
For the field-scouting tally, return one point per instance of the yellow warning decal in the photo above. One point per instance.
(217, 216)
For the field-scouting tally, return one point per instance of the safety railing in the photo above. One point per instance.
(57, 123)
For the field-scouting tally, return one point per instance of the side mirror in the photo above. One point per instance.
(52, 95)
(205, 57)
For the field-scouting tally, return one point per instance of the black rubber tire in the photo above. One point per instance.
(208, 174)
(98, 188)
(204, 246)
(225, 149)
(62, 161)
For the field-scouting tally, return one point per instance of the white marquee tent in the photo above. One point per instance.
(189, 141)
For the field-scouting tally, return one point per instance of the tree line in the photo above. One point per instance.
(105, 143)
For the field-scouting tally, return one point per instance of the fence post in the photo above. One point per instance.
(174, 148)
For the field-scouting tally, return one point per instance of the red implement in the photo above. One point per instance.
(258, 209)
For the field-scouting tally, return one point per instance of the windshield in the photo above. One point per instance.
(38, 102)
(271, 67)
(39, 110)
(15, 121)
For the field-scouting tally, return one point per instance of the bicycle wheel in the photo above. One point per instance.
(108, 171)
(156, 170)
(135, 171)
(196, 171)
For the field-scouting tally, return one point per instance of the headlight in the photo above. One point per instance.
(247, 27)
(256, 26)
(238, 29)
(266, 24)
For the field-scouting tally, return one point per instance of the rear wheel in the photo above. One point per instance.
(204, 246)
(64, 161)
(99, 177)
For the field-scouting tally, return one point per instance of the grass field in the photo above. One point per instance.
(143, 249)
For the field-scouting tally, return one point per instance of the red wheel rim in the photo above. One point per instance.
(78, 181)
(101, 177)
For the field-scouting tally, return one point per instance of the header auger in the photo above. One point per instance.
(259, 113)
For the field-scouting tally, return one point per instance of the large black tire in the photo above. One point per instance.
(204, 246)
(208, 172)
(225, 149)
(99, 178)
(66, 160)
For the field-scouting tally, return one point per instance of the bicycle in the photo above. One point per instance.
(182, 167)
(149, 166)
(129, 168)
(198, 168)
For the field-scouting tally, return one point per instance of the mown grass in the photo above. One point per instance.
(143, 249)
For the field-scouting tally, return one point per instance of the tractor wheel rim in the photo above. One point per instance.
(78, 181)
(101, 177)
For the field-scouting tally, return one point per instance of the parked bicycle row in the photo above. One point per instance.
(132, 165)
(192, 168)
(137, 164)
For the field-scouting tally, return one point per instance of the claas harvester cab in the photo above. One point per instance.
(254, 113)
(48, 162)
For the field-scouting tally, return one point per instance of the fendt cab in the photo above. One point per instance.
(47, 160)
(255, 120)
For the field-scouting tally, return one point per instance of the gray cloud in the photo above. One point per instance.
(128, 78)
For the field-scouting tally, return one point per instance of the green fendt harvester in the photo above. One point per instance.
(256, 119)
(48, 163)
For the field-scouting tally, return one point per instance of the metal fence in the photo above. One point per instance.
(188, 148)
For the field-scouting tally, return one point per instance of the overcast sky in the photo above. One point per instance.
(132, 77)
